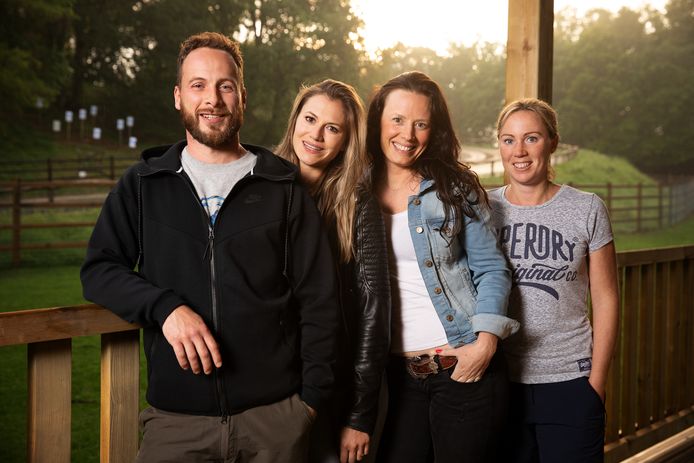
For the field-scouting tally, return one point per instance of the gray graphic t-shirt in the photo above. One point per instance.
(547, 247)
(213, 182)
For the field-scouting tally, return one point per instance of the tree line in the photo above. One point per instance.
(622, 82)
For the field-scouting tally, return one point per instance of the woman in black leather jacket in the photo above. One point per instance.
(325, 137)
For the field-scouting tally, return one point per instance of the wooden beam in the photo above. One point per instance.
(27, 326)
(49, 405)
(529, 49)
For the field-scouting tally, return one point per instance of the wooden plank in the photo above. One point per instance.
(120, 387)
(63, 205)
(56, 245)
(27, 326)
(688, 298)
(659, 340)
(647, 256)
(49, 401)
(613, 391)
(644, 438)
(529, 49)
(52, 225)
(644, 410)
(667, 450)
(681, 364)
(630, 352)
(671, 321)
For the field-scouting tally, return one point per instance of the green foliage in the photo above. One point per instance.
(622, 84)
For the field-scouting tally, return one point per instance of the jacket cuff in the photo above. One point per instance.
(164, 306)
(311, 397)
(499, 325)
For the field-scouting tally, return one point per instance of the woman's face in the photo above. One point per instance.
(525, 148)
(405, 128)
(320, 133)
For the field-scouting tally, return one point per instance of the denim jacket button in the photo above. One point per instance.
(417, 202)
(419, 229)
(437, 290)
(428, 263)
(449, 318)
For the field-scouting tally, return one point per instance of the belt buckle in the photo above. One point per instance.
(421, 366)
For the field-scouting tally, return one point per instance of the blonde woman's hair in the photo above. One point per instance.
(545, 112)
(336, 191)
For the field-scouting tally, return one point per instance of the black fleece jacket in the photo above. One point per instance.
(262, 279)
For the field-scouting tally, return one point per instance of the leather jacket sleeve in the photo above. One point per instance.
(373, 307)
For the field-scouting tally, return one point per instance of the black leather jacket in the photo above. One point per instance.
(366, 307)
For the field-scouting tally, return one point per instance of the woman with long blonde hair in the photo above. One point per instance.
(325, 138)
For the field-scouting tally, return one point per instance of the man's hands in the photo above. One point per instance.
(354, 445)
(191, 340)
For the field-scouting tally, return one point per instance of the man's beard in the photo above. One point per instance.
(212, 137)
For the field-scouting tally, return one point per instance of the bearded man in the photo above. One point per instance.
(217, 251)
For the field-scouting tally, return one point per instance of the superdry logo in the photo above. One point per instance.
(531, 241)
(585, 364)
(535, 274)
(252, 198)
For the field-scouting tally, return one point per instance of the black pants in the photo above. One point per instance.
(438, 419)
(555, 422)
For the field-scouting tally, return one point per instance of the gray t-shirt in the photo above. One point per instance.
(547, 247)
(213, 182)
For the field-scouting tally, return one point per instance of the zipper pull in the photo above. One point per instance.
(225, 418)
(208, 248)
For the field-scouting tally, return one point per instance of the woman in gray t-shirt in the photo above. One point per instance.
(559, 244)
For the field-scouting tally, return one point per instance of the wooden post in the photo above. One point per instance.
(529, 49)
(112, 168)
(639, 203)
(608, 200)
(49, 401)
(660, 206)
(120, 388)
(50, 179)
(17, 223)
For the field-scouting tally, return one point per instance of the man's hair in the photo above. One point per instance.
(213, 40)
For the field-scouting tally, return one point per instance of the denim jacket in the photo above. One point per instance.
(466, 275)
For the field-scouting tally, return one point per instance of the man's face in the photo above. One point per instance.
(210, 97)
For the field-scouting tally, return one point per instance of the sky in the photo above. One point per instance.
(417, 23)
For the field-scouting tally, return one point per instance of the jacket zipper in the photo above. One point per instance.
(219, 381)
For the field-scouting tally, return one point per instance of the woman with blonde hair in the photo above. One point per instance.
(559, 243)
(325, 137)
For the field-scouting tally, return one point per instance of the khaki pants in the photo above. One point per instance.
(272, 433)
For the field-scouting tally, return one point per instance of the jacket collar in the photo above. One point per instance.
(167, 158)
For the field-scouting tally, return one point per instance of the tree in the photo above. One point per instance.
(33, 60)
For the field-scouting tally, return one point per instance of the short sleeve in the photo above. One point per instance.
(599, 227)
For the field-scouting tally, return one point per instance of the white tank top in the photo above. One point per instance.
(414, 323)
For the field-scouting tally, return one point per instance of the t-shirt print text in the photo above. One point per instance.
(550, 252)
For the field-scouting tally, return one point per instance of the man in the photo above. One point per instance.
(234, 283)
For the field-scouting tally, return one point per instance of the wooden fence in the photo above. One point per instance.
(650, 393)
(633, 208)
(89, 165)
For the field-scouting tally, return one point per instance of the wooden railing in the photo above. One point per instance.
(48, 334)
(650, 393)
